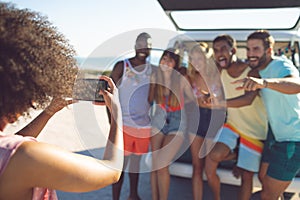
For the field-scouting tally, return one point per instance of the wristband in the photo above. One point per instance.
(265, 83)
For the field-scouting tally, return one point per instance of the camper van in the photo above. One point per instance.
(202, 21)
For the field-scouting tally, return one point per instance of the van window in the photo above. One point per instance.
(272, 18)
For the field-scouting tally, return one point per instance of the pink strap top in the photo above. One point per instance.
(197, 91)
(8, 146)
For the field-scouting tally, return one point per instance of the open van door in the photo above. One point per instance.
(176, 5)
(203, 20)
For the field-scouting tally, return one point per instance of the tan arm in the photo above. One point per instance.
(287, 85)
(35, 127)
(45, 165)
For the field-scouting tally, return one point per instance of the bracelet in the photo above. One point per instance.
(265, 83)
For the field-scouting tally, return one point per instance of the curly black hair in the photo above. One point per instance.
(36, 61)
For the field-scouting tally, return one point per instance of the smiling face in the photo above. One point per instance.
(257, 55)
(169, 60)
(223, 53)
(143, 46)
(167, 63)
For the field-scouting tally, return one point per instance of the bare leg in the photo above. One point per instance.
(164, 148)
(154, 185)
(230, 156)
(134, 168)
(116, 187)
(212, 177)
(218, 154)
(156, 143)
(198, 165)
(163, 180)
(171, 145)
(263, 171)
(246, 186)
(273, 188)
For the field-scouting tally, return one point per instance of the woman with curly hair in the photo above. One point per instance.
(37, 70)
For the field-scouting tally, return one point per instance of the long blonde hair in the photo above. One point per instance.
(210, 74)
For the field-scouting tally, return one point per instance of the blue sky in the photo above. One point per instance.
(87, 24)
(97, 23)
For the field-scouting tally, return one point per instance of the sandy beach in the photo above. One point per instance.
(83, 128)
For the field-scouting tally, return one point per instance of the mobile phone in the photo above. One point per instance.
(102, 85)
(88, 89)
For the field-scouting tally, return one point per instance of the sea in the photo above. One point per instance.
(96, 63)
(102, 64)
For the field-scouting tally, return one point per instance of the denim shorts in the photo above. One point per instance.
(204, 121)
(168, 122)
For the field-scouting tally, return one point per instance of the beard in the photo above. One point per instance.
(260, 61)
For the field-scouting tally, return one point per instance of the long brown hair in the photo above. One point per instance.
(175, 81)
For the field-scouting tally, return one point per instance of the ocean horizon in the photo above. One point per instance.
(96, 63)
(107, 63)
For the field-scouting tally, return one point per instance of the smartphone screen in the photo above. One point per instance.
(88, 89)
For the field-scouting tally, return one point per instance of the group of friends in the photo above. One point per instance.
(228, 108)
(224, 107)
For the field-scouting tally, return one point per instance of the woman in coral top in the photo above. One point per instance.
(167, 92)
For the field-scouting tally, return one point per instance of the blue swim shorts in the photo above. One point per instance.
(267, 145)
(284, 160)
(250, 149)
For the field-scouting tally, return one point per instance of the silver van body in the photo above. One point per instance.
(287, 42)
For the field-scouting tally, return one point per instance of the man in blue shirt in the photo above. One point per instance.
(280, 88)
